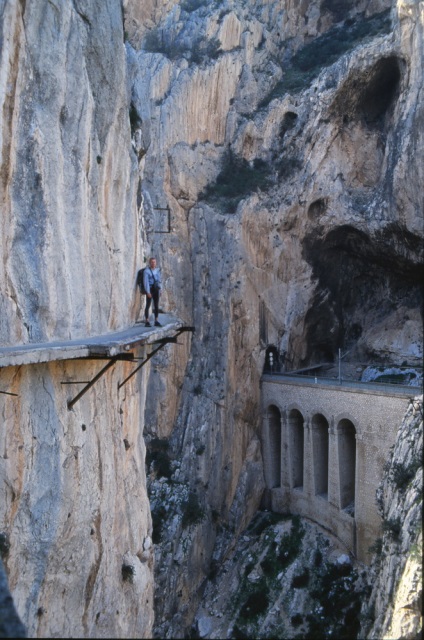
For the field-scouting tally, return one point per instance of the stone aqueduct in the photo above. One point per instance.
(324, 447)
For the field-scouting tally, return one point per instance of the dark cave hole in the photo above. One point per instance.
(360, 280)
(288, 122)
(317, 208)
(381, 90)
(369, 96)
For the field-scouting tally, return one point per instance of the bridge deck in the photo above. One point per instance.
(107, 345)
(347, 385)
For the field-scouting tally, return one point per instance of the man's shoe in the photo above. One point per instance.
(147, 324)
(157, 323)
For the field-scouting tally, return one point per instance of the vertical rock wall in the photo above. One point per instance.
(73, 505)
(71, 240)
(319, 255)
(394, 609)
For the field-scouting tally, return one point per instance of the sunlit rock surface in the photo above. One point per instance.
(295, 195)
(293, 179)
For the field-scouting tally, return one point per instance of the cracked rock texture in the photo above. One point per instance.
(73, 501)
(286, 138)
(396, 571)
(290, 169)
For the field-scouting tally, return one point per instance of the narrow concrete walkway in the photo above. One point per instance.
(108, 344)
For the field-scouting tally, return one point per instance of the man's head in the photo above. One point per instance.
(152, 263)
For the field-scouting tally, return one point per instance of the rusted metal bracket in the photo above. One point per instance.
(112, 361)
(121, 384)
(162, 342)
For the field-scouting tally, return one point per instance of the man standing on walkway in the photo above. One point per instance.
(152, 285)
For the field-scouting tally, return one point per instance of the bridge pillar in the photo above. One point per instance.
(308, 456)
(272, 447)
(285, 459)
(333, 466)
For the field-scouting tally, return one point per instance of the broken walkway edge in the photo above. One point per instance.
(106, 345)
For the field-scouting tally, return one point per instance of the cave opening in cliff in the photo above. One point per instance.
(381, 91)
(362, 282)
(369, 96)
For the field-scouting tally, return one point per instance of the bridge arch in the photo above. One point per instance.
(273, 458)
(296, 432)
(339, 417)
(356, 453)
(320, 454)
(346, 447)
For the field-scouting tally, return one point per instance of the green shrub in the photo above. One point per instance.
(236, 180)
(376, 547)
(158, 40)
(307, 62)
(256, 603)
(393, 527)
(153, 40)
(327, 48)
(159, 516)
(339, 604)
(193, 5)
(287, 165)
(205, 50)
(290, 544)
(393, 378)
(157, 456)
(192, 511)
(301, 580)
(403, 474)
(196, 50)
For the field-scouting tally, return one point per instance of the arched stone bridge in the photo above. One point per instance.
(324, 448)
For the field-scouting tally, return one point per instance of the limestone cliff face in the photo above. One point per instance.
(396, 572)
(292, 171)
(71, 238)
(289, 165)
(73, 505)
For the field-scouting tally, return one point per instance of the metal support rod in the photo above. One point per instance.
(93, 381)
(121, 384)
(163, 341)
(9, 393)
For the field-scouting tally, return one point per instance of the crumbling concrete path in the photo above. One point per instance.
(108, 344)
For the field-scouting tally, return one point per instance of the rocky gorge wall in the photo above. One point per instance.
(74, 516)
(284, 138)
(291, 171)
